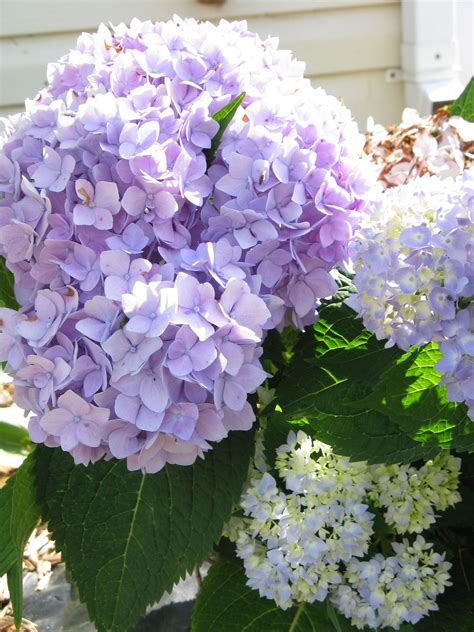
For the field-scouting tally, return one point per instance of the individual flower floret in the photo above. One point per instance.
(77, 425)
(53, 172)
(97, 205)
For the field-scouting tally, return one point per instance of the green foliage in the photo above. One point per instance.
(226, 603)
(7, 293)
(343, 345)
(223, 117)
(127, 537)
(409, 394)
(7, 547)
(462, 514)
(456, 606)
(19, 513)
(464, 104)
(453, 532)
(370, 403)
(14, 439)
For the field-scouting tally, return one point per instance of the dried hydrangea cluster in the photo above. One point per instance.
(439, 145)
(312, 541)
(414, 264)
(146, 277)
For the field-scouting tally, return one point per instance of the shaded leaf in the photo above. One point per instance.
(456, 605)
(370, 403)
(366, 436)
(226, 603)
(346, 346)
(127, 537)
(410, 394)
(7, 548)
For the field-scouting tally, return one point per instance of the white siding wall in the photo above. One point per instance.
(464, 16)
(348, 45)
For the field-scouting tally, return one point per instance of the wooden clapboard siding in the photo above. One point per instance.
(23, 17)
(24, 61)
(10, 109)
(312, 37)
(338, 41)
(350, 42)
(356, 90)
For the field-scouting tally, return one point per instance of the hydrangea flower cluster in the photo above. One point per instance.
(294, 541)
(314, 540)
(387, 591)
(410, 496)
(147, 277)
(414, 264)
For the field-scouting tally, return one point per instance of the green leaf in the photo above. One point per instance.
(127, 537)
(223, 117)
(367, 436)
(336, 387)
(19, 513)
(14, 439)
(333, 616)
(7, 548)
(7, 292)
(15, 587)
(464, 104)
(226, 604)
(410, 395)
(343, 345)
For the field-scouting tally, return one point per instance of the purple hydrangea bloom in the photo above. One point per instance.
(147, 277)
(415, 274)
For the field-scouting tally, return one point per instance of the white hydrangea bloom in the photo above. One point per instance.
(410, 496)
(292, 543)
(311, 540)
(413, 261)
(387, 592)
